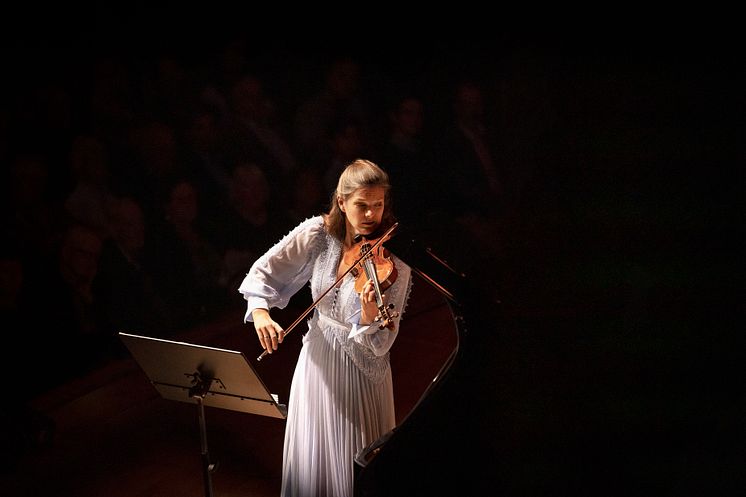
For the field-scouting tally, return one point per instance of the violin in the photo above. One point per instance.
(373, 261)
(373, 264)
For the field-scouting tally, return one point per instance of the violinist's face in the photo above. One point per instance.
(363, 210)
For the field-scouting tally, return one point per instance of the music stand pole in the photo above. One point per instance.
(198, 392)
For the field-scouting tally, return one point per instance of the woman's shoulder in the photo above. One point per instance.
(311, 230)
(400, 265)
(313, 224)
(307, 238)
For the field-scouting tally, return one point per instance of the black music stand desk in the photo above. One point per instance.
(204, 376)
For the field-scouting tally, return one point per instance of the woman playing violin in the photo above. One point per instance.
(341, 396)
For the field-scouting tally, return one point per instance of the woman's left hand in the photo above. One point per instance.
(368, 304)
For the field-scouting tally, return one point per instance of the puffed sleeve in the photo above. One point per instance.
(379, 341)
(283, 270)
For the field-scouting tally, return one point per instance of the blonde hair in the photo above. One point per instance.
(358, 174)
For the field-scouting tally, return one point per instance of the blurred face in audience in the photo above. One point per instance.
(408, 118)
(79, 256)
(129, 225)
(182, 205)
(250, 189)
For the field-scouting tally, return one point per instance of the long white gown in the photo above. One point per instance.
(341, 396)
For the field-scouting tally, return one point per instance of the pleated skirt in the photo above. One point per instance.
(334, 411)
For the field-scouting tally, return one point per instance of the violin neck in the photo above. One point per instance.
(372, 274)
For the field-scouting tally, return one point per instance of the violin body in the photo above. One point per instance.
(375, 265)
(385, 270)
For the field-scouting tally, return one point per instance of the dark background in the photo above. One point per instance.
(614, 362)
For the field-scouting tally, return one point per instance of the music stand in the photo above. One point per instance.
(205, 376)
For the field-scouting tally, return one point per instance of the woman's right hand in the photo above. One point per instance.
(269, 332)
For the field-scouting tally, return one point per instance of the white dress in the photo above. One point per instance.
(341, 396)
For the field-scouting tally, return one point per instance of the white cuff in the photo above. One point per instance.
(254, 303)
(357, 328)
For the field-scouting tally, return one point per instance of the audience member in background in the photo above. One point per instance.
(205, 158)
(154, 159)
(169, 89)
(30, 216)
(252, 221)
(127, 298)
(409, 163)
(91, 196)
(340, 99)
(468, 154)
(69, 337)
(113, 101)
(307, 195)
(184, 263)
(254, 133)
(345, 145)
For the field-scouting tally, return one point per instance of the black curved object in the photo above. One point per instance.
(439, 445)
